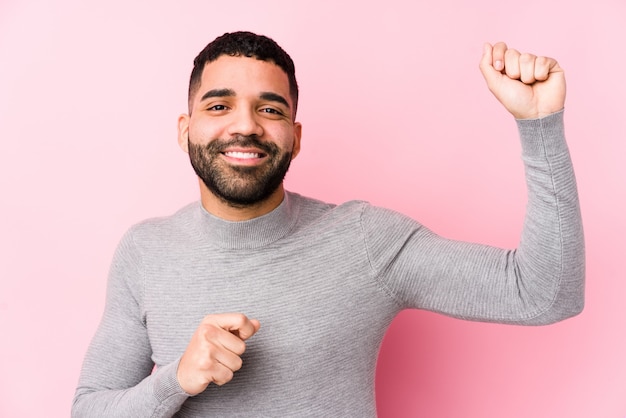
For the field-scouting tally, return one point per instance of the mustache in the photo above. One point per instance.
(219, 145)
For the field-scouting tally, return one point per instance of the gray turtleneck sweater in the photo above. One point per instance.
(325, 281)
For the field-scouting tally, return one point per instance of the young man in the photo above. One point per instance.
(188, 293)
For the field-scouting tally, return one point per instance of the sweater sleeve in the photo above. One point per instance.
(540, 282)
(117, 377)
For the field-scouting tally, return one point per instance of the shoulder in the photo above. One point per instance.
(350, 213)
(180, 223)
(309, 209)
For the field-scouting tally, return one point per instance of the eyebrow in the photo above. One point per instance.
(218, 93)
(266, 95)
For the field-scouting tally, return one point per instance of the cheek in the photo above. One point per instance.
(201, 131)
(282, 137)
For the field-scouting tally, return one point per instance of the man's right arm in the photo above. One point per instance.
(117, 377)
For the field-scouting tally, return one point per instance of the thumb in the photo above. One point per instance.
(248, 333)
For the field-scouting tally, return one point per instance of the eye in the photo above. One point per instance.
(217, 108)
(271, 111)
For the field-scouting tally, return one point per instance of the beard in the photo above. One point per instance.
(239, 186)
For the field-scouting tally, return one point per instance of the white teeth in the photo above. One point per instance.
(242, 154)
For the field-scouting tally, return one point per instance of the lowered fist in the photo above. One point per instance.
(214, 352)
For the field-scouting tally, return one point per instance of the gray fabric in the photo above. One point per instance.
(325, 282)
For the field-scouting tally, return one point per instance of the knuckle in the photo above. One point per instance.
(239, 348)
(238, 364)
(528, 79)
(513, 71)
(225, 377)
(511, 53)
(207, 361)
(210, 331)
(208, 319)
(542, 61)
(240, 319)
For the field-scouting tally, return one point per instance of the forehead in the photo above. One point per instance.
(244, 75)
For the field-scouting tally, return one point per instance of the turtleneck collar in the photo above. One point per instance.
(253, 233)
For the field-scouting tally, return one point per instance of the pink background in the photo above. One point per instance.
(394, 110)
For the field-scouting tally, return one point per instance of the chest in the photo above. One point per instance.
(303, 297)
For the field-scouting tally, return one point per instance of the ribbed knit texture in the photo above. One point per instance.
(325, 282)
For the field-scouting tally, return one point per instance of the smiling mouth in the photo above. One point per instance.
(243, 155)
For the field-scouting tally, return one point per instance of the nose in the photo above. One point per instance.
(244, 122)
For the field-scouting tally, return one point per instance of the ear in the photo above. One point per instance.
(297, 136)
(183, 132)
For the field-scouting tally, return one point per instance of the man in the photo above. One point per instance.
(181, 332)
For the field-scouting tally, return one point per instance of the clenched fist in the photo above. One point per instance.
(214, 352)
(528, 86)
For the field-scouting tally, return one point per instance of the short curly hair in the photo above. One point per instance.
(244, 44)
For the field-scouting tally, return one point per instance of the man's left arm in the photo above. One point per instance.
(539, 282)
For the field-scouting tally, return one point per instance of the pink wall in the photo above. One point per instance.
(394, 111)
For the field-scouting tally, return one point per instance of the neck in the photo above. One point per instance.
(221, 209)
